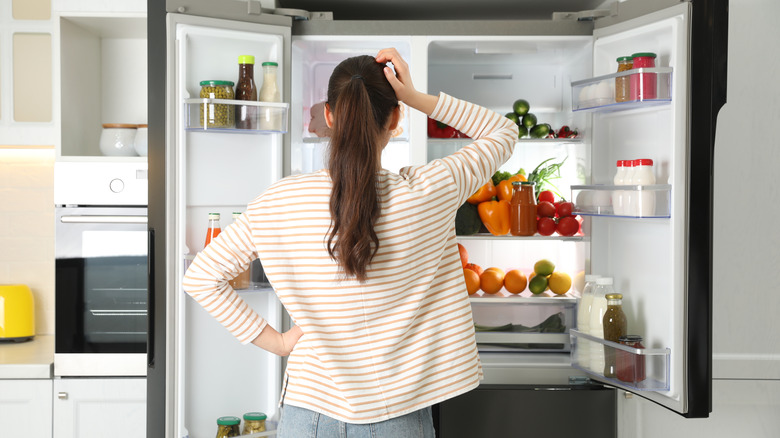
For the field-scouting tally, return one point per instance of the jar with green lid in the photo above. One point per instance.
(228, 426)
(216, 115)
(253, 422)
(622, 83)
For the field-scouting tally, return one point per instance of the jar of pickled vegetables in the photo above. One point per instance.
(228, 426)
(623, 83)
(216, 115)
(253, 422)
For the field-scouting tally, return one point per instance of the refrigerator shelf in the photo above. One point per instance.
(464, 141)
(598, 94)
(652, 201)
(217, 115)
(320, 140)
(656, 362)
(483, 236)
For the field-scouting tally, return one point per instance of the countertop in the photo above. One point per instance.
(27, 360)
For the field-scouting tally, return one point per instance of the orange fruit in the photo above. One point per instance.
(464, 255)
(515, 281)
(492, 280)
(475, 267)
(472, 281)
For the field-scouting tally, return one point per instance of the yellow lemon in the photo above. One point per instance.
(544, 267)
(559, 282)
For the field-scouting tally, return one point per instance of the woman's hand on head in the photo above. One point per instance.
(401, 81)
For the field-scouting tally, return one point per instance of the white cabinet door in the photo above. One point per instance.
(96, 408)
(25, 408)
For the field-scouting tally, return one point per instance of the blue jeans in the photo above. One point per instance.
(296, 422)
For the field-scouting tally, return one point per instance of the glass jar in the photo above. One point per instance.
(630, 366)
(615, 326)
(270, 117)
(622, 83)
(214, 228)
(253, 422)
(643, 85)
(216, 115)
(228, 426)
(522, 209)
(117, 139)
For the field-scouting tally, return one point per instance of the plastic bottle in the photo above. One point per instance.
(644, 176)
(246, 115)
(270, 118)
(618, 207)
(214, 229)
(629, 196)
(242, 279)
(583, 319)
(596, 321)
(615, 326)
(522, 209)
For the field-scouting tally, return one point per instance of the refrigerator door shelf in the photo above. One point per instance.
(652, 201)
(598, 94)
(217, 115)
(654, 363)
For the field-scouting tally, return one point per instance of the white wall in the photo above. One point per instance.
(746, 338)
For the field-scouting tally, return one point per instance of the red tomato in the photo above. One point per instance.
(546, 195)
(545, 209)
(567, 226)
(545, 226)
(564, 208)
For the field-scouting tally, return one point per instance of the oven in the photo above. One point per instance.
(101, 285)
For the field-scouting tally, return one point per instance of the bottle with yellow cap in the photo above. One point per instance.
(246, 115)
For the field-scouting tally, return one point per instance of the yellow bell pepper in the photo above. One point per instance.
(485, 193)
(495, 216)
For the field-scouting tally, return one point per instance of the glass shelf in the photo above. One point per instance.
(640, 201)
(483, 236)
(319, 140)
(651, 366)
(217, 115)
(598, 93)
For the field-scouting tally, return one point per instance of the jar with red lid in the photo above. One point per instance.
(643, 85)
(630, 366)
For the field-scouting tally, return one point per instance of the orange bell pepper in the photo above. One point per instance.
(504, 188)
(495, 216)
(485, 193)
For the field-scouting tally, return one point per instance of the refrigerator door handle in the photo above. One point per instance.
(150, 303)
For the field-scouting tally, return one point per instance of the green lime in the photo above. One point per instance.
(539, 131)
(513, 117)
(537, 284)
(529, 120)
(522, 131)
(544, 267)
(521, 107)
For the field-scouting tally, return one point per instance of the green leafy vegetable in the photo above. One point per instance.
(502, 175)
(543, 174)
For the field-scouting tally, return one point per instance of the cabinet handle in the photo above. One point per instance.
(62, 395)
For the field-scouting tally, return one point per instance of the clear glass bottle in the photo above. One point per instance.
(242, 279)
(583, 318)
(214, 228)
(596, 321)
(615, 326)
(253, 422)
(623, 83)
(270, 117)
(246, 115)
(522, 209)
(228, 427)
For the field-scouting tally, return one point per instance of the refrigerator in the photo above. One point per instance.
(660, 260)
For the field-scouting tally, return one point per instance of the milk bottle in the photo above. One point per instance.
(644, 176)
(583, 319)
(596, 322)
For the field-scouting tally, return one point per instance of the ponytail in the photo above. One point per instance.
(361, 101)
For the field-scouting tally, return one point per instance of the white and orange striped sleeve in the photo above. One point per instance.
(494, 141)
(206, 280)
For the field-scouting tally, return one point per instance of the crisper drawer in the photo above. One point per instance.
(516, 323)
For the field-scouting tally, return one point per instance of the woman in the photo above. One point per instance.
(366, 263)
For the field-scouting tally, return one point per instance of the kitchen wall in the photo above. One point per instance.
(27, 153)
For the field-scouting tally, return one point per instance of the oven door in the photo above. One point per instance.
(101, 287)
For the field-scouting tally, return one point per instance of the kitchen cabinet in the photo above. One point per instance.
(25, 408)
(87, 407)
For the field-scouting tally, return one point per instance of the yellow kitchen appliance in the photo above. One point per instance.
(17, 313)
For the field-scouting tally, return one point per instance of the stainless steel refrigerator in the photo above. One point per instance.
(660, 260)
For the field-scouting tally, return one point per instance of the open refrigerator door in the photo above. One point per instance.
(216, 167)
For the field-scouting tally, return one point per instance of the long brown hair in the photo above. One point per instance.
(362, 102)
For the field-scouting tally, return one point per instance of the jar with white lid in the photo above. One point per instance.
(118, 139)
(644, 176)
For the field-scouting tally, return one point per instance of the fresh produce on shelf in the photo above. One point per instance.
(503, 175)
(492, 280)
(485, 193)
(515, 281)
(528, 125)
(472, 281)
(475, 267)
(546, 195)
(544, 173)
(553, 324)
(438, 129)
(495, 216)
(464, 255)
(546, 277)
(467, 221)
(567, 226)
(555, 216)
(504, 188)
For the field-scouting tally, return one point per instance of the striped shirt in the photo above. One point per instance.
(399, 342)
